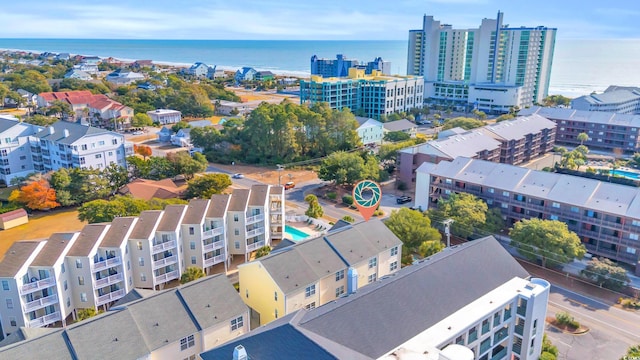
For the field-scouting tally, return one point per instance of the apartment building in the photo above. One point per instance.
(606, 130)
(605, 216)
(175, 324)
(15, 150)
(489, 305)
(511, 142)
(617, 99)
(316, 271)
(491, 68)
(340, 66)
(374, 95)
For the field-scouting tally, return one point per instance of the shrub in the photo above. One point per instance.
(332, 195)
(402, 186)
(629, 303)
(564, 318)
(347, 200)
(348, 219)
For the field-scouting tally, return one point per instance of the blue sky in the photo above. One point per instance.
(304, 19)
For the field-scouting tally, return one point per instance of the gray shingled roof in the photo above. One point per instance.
(218, 206)
(239, 200)
(117, 232)
(519, 127)
(196, 210)
(52, 250)
(7, 123)
(87, 239)
(76, 132)
(51, 347)
(146, 223)
(363, 240)
(258, 195)
(467, 144)
(598, 117)
(16, 256)
(399, 125)
(171, 218)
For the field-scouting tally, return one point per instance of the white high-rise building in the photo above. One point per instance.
(492, 68)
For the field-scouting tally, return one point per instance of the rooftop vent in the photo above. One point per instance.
(239, 353)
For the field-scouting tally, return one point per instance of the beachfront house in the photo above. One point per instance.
(314, 272)
(245, 74)
(77, 74)
(120, 77)
(264, 76)
(165, 116)
(198, 69)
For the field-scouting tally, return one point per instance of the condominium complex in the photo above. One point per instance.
(617, 99)
(179, 323)
(511, 142)
(606, 130)
(340, 66)
(492, 68)
(473, 295)
(45, 282)
(605, 216)
(317, 271)
(25, 148)
(374, 95)
(90, 108)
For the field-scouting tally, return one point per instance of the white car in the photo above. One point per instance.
(138, 133)
(238, 176)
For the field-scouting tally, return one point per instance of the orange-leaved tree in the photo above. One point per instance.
(143, 150)
(37, 195)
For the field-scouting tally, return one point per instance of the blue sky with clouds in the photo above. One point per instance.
(304, 19)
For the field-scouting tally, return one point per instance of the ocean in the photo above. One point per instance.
(579, 67)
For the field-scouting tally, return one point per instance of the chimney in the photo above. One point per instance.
(51, 130)
(66, 133)
(239, 353)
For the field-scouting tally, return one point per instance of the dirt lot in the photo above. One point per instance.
(268, 96)
(269, 175)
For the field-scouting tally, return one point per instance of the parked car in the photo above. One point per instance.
(403, 199)
(289, 185)
(138, 132)
(238, 176)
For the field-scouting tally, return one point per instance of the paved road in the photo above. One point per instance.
(612, 330)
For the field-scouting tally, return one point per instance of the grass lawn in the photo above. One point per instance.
(41, 226)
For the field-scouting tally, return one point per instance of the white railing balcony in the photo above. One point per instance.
(164, 262)
(255, 246)
(214, 246)
(45, 320)
(37, 285)
(213, 232)
(103, 265)
(255, 232)
(254, 219)
(112, 296)
(166, 277)
(108, 281)
(214, 260)
(40, 303)
(163, 246)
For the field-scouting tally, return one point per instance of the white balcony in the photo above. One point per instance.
(276, 209)
(45, 320)
(112, 296)
(37, 285)
(255, 232)
(171, 244)
(214, 246)
(254, 219)
(108, 281)
(166, 277)
(213, 232)
(164, 262)
(106, 264)
(40, 303)
(214, 260)
(255, 246)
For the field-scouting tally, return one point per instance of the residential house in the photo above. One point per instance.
(139, 64)
(13, 218)
(63, 56)
(245, 74)
(497, 310)
(164, 135)
(216, 73)
(30, 99)
(94, 109)
(369, 130)
(120, 77)
(199, 70)
(225, 107)
(264, 76)
(88, 64)
(165, 116)
(314, 272)
(77, 74)
(178, 323)
(148, 189)
(15, 150)
(404, 125)
(182, 138)
(147, 86)
(606, 216)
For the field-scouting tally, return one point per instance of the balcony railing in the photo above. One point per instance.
(214, 260)
(214, 246)
(500, 354)
(254, 219)
(45, 320)
(112, 296)
(164, 262)
(163, 246)
(522, 310)
(103, 265)
(255, 232)
(37, 285)
(254, 246)
(40, 303)
(108, 281)
(160, 279)
(213, 232)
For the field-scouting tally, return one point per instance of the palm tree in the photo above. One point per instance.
(582, 137)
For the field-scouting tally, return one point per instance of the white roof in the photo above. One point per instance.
(598, 117)
(521, 126)
(163, 111)
(611, 97)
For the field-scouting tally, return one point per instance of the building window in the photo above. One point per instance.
(141, 261)
(143, 277)
(491, 190)
(237, 244)
(310, 306)
(78, 264)
(246, 293)
(339, 275)
(275, 296)
(139, 245)
(310, 290)
(68, 302)
(65, 285)
(187, 342)
(575, 209)
(553, 217)
(236, 232)
(633, 236)
(83, 297)
(373, 262)
(631, 250)
(505, 193)
(393, 266)
(9, 303)
(80, 280)
(635, 222)
(128, 265)
(62, 268)
(5, 285)
(12, 321)
(193, 260)
(372, 278)
(237, 323)
(339, 290)
(192, 230)
(394, 251)
(114, 141)
(192, 245)
(235, 217)
(98, 156)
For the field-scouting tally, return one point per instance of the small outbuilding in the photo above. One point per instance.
(13, 218)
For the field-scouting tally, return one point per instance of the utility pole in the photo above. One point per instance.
(280, 168)
(447, 230)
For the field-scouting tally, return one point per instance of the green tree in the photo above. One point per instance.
(549, 240)
(346, 168)
(396, 136)
(606, 273)
(186, 165)
(414, 229)
(463, 122)
(556, 100)
(141, 120)
(348, 219)
(206, 185)
(549, 351)
(190, 274)
(315, 210)
(97, 211)
(505, 117)
(263, 251)
(40, 120)
(582, 137)
(84, 314)
(116, 176)
(494, 222)
(467, 211)
(480, 115)
(60, 109)
(180, 125)
(632, 353)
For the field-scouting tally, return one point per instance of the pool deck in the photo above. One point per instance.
(306, 228)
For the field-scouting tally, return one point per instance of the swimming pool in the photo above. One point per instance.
(295, 234)
(624, 173)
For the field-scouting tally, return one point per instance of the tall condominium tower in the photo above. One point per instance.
(492, 68)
